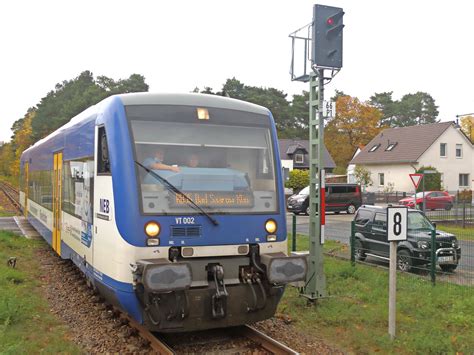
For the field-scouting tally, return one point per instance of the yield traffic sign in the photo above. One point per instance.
(416, 178)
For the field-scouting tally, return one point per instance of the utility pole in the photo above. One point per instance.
(326, 55)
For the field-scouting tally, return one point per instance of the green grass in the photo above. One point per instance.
(26, 324)
(458, 231)
(12, 180)
(354, 317)
(4, 213)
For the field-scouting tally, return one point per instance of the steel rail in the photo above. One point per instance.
(9, 191)
(265, 341)
(156, 343)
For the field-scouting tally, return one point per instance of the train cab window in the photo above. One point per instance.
(225, 164)
(103, 160)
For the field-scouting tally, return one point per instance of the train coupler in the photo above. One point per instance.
(219, 298)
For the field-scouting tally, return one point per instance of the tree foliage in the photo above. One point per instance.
(432, 182)
(291, 118)
(467, 126)
(71, 97)
(68, 99)
(363, 176)
(298, 179)
(412, 109)
(354, 125)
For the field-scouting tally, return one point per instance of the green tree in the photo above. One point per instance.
(233, 88)
(299, 117)
(432, 182)
(362, 176)
(298, 179)
(384, 102)
(412, 109)
(71, 97)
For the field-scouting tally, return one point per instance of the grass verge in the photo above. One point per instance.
(430, 319)
(459, 232)
(26, 324)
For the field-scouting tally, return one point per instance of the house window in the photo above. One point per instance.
(442, 150)
(299, 158)
(374, 148)
(463, 180)
(458, 150)
(391, 146)
(381, 179)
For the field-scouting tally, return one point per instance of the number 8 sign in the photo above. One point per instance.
(397, 219)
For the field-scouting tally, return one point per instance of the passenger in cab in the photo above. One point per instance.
(193, 161)
(156, 162)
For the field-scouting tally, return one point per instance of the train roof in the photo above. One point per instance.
(146, 98)
(191, 99)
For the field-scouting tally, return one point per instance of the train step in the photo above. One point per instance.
(26, 228)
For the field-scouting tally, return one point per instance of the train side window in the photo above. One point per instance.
(103, 160)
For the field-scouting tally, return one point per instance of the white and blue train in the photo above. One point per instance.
(178, 246)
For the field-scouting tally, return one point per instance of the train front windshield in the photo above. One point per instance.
(222, 160)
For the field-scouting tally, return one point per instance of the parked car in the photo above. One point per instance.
(371, 240)
(339, 197)
(433, 200)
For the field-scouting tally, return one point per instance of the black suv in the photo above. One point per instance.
(339, 197)
(371, 239)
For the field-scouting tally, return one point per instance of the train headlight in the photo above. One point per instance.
(152, 229)
(270, 226)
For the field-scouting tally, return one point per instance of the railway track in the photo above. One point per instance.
(12, 197)
(235, 340)
(70, 282)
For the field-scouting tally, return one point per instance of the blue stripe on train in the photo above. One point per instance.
(123, 292)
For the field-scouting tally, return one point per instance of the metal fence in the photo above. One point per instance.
(371, 198)
(451, 260)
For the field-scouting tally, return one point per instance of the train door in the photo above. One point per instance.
(57, 192)
(26, 187)
(103, 202)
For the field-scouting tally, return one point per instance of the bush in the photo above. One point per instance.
(432, 182)
(298, 179)
(464, 196)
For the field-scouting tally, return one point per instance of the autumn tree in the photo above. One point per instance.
(22, 139)
(355, 124)
(467, 126)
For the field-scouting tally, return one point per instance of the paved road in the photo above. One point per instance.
(338, 227)
(9, 224)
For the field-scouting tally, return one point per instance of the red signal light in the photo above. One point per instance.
(330, 21)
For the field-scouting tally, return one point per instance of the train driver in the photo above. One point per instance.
(156, 162)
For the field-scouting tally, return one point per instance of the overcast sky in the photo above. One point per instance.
(400, 46)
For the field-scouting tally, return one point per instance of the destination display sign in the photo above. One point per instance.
(213, 199)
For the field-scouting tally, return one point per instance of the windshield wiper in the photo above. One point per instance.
(174, 189)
